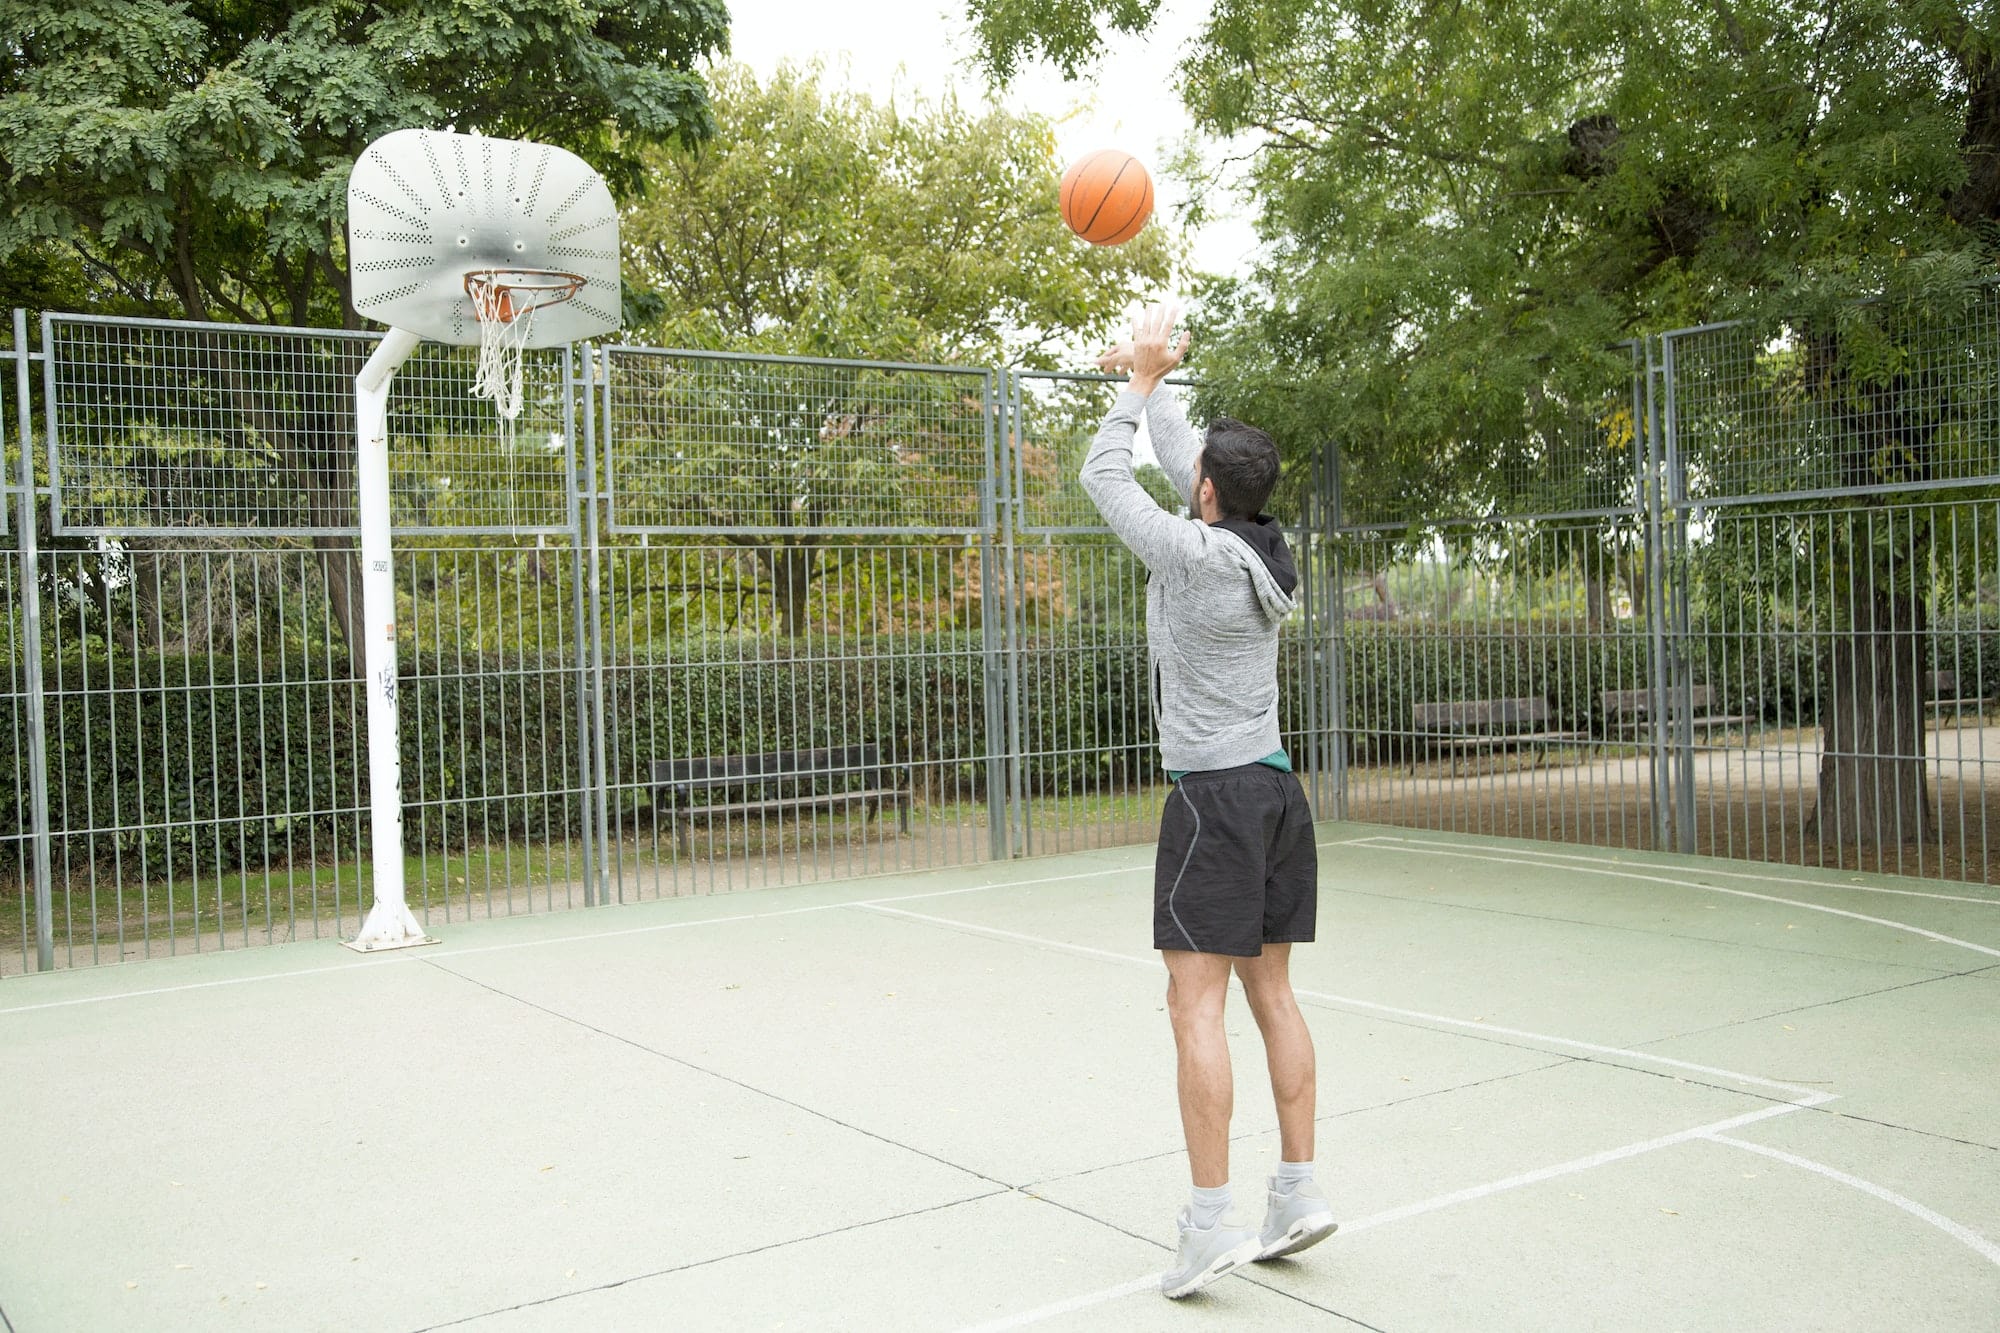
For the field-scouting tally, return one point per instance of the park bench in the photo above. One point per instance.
(1486, 724)
(1627, 713)
(1941, 694)
(718, 786)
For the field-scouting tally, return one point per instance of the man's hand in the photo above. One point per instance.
(1115, 359)
(1155, 352)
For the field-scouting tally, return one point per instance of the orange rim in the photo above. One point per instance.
(503, 294)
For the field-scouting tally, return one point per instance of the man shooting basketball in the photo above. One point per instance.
(1236, 879)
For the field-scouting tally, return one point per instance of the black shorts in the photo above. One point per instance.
(1236, 868)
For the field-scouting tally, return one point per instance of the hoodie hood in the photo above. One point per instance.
(1266, 540)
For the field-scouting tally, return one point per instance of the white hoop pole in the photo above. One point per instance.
(390, 924)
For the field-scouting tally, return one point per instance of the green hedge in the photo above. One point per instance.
(219, 764)
(162, 763)
(1774, 676)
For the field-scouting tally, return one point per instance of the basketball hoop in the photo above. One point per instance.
(448, 232)
(504, 302)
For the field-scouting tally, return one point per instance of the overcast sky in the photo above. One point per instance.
(880, 46)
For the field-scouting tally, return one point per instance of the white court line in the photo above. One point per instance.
(1570, 1168)
(1375, 838)
(1805, 1099)
(1710, 1131)
(204, 985)
(1070, 1306)
(1963, 1234)
(449, 951)
(1348, 1001)
(1643, 1056)
(1524, 860)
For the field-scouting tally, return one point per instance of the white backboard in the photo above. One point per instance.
(425, 207)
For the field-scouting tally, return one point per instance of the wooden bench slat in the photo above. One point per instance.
(1941, 692)
(1504, 738)
(1632, 710)
(777, 780)
(884, 794)
(1486, 724)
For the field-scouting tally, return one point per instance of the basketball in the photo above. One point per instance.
(1106, 197)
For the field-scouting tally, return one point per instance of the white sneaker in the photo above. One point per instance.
(1207, 1255)
(1297, 1220)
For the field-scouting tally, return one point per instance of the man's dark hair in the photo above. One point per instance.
(1242, 461)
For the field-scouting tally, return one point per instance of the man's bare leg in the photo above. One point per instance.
(1288, 1046)
(1197, 986)
(1299, 1216)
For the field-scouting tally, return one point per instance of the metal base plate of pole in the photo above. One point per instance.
(389, 926)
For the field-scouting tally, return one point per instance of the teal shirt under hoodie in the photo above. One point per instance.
(1215, 595)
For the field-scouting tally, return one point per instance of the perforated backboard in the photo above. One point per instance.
(425, 207)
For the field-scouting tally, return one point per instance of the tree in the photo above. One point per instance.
(192, 159)
(1461, 203)
(818, 222)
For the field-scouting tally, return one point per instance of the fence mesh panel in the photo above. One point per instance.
(1474, 666)
(1055, 420)
(212, 784)
(220, 430)
(1571, 443)
(1870, 399)
(1835, 675)
(873, 683)
(703, 443)
(819, 609)
(16, 815)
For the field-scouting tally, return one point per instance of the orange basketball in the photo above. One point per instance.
(1106, 197)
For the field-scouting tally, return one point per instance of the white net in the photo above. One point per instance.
(504, 326)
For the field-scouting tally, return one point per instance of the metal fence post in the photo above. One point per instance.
(31, 633)
(1656, 601)
(1312, 753)
(579, 612)
(601, 787)
(1020, 834)
(1680, 707)
(1334, 643)
(991, 600)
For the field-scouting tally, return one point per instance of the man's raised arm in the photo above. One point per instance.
(1154, 535)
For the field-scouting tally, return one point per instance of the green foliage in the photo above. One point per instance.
(1391, 667)
(194, 159)
(1776, 677)
(209, 764)
(212, 763)
(790, 446)
(822, 223)
(818, 222)
(1465, 205)
(1012, 32)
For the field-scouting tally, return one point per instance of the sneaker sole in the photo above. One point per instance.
(1302, 1235)
(1222, 1267)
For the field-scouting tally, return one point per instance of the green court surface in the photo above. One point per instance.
(1559, 1089)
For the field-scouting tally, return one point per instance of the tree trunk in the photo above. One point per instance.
(1632, 572)
(1873, 785)
(308, 419)
(1596, 603)
(792, 569)
(341, 565)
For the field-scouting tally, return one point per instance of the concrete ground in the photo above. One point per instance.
(1560, 1088)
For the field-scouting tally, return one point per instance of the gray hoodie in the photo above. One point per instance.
(1215, 594)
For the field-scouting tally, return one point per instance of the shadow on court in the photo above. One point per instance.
(1559, 1088)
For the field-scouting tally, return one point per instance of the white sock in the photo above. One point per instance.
(1291, 1175)
(1208, 1207)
